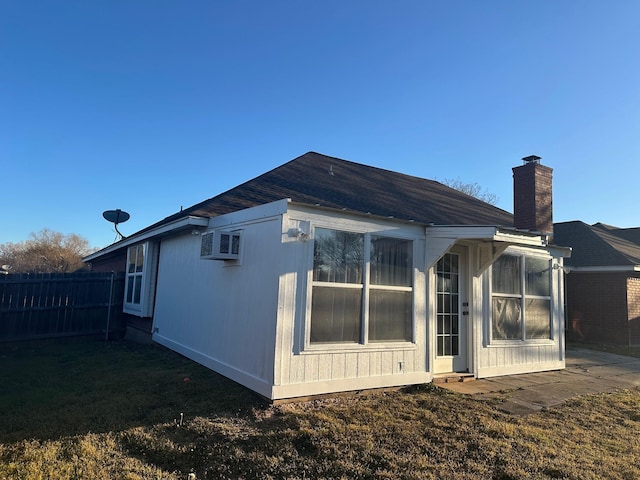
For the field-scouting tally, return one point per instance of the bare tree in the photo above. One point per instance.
(473, 189)
(45, 252)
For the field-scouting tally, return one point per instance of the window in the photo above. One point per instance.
(362, 288)
(135, 266)
(138, 287)
(521, 298)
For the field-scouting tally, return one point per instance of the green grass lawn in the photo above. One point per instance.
(94, 410)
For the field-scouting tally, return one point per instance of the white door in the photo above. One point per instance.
(451, 314)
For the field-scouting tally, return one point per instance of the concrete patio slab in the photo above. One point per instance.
(587, 372)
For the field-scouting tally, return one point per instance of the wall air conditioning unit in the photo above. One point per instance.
(219, 245)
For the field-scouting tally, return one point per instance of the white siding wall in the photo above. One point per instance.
(302, 369)
(249, 322)
(219, 314)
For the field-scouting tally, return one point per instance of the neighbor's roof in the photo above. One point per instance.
(330, 182)
(598, 245)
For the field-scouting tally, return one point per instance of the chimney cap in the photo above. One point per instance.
(531, 159)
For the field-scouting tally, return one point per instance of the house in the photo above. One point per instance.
(603, 287)
(324, 275)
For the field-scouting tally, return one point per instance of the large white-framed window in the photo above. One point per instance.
(362, 288)
(139, 279)
(521, 297)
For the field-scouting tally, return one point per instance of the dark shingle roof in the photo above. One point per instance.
(317, 179)
(631, 234)
(597, 245)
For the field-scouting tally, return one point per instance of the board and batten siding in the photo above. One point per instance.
(220, 313)
(302, 369)
(510, 358)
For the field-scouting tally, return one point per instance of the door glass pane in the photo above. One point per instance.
(537, 313)
(448, 285)
(337, 256)
(506, 319)
(455, 345)
(335, 314)
(389, 316)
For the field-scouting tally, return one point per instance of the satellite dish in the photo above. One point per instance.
(116, 216)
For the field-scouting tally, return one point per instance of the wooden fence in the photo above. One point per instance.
(60, 304)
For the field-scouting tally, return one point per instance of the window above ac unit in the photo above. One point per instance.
(219, 245)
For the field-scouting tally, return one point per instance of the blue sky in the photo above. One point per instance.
(148, 106)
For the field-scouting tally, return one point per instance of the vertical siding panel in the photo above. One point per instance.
(324, 367)
(311, 373)
(375, 364)
(364, 365)
(296, 370)
(284, 332)
(338, 366)
(351, 365)
(386, 367)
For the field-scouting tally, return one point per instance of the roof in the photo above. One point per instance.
(599, 245)
(319, 180)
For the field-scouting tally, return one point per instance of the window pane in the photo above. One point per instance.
(338, 256)
(537, 278)
(137, 288)
(506, 319)
(131, 262)
(235, 244)
(224, 243)
(391, 261)
(389, 316)
(335, 314)
(130, 289)
(537, 320)
(506, 275)
(140, 258)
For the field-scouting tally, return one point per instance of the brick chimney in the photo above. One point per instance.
(532, 196)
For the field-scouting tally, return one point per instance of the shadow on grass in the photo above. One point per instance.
(55, 389)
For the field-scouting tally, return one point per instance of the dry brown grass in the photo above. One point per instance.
(112, 411)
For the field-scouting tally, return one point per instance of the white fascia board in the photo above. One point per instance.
(251, 214)
(605, 269)
(353, 213)
(180, 224)
(486, 233)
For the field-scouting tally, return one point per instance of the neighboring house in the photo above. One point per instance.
(325, 275)
(603, 286)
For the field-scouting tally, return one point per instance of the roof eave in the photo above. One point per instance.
(605, 268)
(161, 230)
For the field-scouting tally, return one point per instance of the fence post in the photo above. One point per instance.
(106, 335)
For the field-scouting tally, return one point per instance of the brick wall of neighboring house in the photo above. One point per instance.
(633, 302)
(113, 263)
(597, 307)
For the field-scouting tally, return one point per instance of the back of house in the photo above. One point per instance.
(324, 275)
